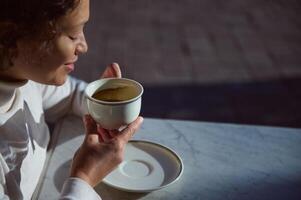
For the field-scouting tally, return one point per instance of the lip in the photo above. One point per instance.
(71, 62)
(70, 65)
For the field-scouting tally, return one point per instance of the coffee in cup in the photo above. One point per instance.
(117, 94)
(114, 102)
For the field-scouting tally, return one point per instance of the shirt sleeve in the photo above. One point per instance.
(3, 170)
(77, 189)
(61, 100)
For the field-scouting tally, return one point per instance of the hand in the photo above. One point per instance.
(113, 70)
(101, 151)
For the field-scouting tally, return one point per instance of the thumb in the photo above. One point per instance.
(90, 125)
(129, 131)
(113, 70)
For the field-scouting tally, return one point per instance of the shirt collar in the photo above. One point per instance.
(7, 93)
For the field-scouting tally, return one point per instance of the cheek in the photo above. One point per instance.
(64, 49)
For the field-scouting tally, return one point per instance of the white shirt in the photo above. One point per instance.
(24, 135)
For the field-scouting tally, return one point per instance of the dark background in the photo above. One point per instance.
(235, 61)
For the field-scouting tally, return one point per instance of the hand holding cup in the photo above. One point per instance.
(101, 151)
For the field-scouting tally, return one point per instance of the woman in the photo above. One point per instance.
(40, 41)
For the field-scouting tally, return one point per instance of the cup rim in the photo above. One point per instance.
(113, 102)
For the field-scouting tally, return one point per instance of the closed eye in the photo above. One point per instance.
(72, 38)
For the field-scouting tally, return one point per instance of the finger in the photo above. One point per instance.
(90, 124)
(91, 130)
(100, 140)
(117, 71)
(104, 134)
(129, 131)
(112, 70)
(114, 133)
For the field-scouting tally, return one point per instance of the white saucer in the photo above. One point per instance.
(147, 166)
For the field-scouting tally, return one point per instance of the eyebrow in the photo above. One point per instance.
(71, 26)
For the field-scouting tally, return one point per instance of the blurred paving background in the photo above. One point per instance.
(235, 61)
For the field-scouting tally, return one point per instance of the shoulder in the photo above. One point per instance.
(31, 93)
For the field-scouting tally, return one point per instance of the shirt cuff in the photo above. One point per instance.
(76, 189)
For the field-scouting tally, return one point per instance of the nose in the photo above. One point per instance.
(82, 46)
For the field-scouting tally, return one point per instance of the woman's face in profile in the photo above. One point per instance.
(52, 64)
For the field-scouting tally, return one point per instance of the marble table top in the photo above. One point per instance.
(222, 161)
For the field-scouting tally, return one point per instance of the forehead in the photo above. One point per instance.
(77, 16)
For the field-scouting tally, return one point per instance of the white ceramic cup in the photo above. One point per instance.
(113, 115)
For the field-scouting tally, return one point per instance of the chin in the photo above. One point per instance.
(61, 81)
(57, 81)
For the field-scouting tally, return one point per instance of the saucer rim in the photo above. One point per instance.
(155, 188)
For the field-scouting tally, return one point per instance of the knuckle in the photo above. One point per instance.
(131, 131)
(116, 145)
(89, 140)
(119, 158)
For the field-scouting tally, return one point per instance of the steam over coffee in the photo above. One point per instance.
(122, 93)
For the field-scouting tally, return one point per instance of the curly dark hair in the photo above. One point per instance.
(30, 19)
